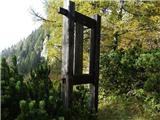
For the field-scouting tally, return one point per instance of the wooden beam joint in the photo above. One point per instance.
(80, 18)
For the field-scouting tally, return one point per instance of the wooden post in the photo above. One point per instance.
(94, 63)
(72, 55)
(78, 50)
(67, 57)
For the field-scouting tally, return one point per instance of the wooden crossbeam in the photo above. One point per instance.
(82, 79)
(80, 18)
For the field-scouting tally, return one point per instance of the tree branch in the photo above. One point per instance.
(39, 17)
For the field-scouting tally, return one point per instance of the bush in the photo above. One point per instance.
(124, 71)
(35, 98)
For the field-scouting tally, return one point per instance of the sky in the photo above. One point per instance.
(16, 21)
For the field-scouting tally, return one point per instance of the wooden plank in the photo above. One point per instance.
(92, 52)
(63, 80)
(91, 69)
(82, 79)
(67, 56)
(97, 56)
(84, 20)
(96, 48)
(78, 50)
(80, 18)
(63, 11)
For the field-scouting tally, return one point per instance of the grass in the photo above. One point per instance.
(119, 108)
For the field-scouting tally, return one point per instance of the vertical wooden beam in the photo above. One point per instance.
(97, 56)
(91, 69)
(92, 50)
(67, 57)
(94, 63)
(78, 50)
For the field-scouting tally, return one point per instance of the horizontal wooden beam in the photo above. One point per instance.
(82, 79)
(80, 18)
(85, 20)
(62, 11)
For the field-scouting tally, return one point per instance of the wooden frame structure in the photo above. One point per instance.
(72, 54)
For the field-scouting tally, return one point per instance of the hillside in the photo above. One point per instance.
(27, 51)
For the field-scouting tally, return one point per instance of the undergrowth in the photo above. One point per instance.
(120, 107)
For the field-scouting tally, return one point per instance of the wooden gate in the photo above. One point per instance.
(72, 54)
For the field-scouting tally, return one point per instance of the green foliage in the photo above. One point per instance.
(133, 72)
(125, 70)
(122, 107)
(9, 94)
(152, 84)
(36, 98)
(80, 108)
(32, 111)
